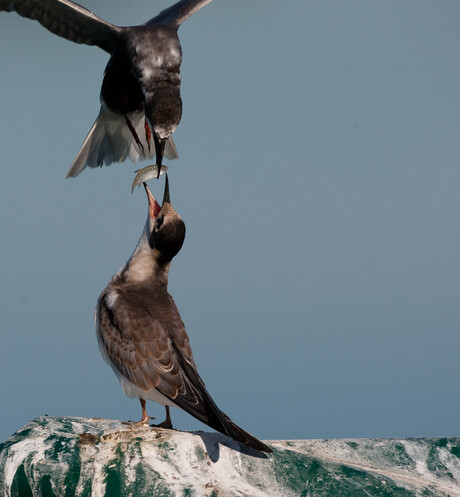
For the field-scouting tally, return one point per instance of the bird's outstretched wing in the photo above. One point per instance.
(66, 19)
(155, 355)
(178, 13)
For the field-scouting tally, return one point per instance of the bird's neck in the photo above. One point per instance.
(145, 266)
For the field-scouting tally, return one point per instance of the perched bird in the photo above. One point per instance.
(140, 93)
(141, 334)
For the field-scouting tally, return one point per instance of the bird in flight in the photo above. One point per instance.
(141, 334)
(140, 97)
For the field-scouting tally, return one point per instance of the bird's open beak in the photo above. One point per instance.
(154, 206)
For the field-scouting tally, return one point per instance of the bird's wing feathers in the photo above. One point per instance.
(139, 347)
(151, 349)
(66, 19)
(178, 13)
(152, 355)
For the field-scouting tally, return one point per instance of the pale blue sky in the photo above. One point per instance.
(319, 180)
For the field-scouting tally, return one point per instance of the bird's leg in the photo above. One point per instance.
(133, 132)
(145, 416)
(148, 133)
(167, 423)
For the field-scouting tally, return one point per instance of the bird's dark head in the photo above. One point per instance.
(167, 230)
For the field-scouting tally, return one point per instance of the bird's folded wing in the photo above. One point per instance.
(151, 355)
(66, 19)
(142, 351)
(179, 12)
(194, 398)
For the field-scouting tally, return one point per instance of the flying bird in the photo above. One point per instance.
(141, 334)
(140, 97)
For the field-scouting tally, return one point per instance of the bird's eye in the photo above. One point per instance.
(159, 222)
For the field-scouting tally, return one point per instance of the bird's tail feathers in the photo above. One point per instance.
(170, 149)
(226, 426)
(207, 411)
(111, 140)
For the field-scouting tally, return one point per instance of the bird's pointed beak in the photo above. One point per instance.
(159, 152)
(154, 206)
(166, 198)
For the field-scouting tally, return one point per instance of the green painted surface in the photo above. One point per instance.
(76, 457)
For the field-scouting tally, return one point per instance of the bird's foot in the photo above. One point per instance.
(145, 417)
(142, 422)
(166, 424)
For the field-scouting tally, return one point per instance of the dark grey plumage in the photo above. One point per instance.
(142, 336)
(141, 104)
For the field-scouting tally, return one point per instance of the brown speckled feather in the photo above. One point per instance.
(146, 340)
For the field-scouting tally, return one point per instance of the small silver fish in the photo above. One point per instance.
(147, 173)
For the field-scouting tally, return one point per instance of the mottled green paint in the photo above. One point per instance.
(433, 462)
(349, 482)
(291, 469)
(20, 486)
(46, 490)
(401, 457)
(87, 489)
(351, 468)
(200, 453)
(352, 445)
(113, 476)
(74, 471)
